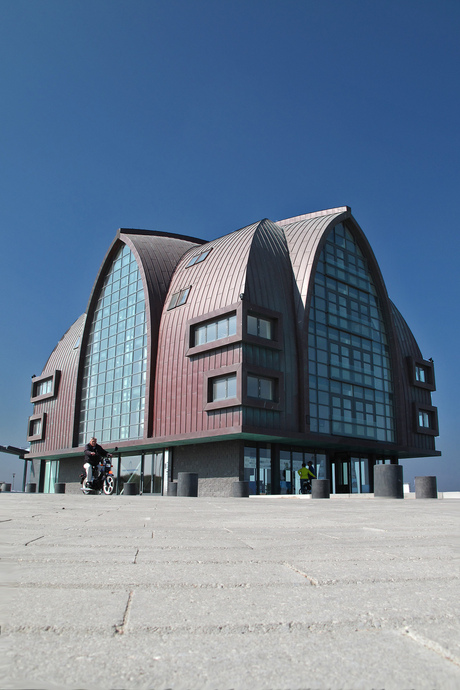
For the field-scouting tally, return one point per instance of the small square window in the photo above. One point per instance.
(36, 427)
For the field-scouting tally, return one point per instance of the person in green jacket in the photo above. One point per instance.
(306, 476)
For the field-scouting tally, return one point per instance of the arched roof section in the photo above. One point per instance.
(59, 409)
(305, 236)
(269, 284)
(157, 255)
(215, 285)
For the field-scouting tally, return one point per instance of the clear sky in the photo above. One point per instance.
(202, 117)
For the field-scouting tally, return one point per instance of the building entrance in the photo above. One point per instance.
(350, 475)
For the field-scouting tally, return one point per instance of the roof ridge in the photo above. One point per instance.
(315, 214)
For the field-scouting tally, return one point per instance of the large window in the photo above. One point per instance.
(113, 386)
(351, 390)
(215, 330)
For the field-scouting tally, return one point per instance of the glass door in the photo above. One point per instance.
(265, 471)
(258, 469)
(341, 476)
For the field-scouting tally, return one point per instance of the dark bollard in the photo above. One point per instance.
(130, 489)
(31, 488)
(388, 481)
(6, 487)
(320, 488)
(172, 488)
(426, 487)
(187, 484)
(240, 489)
(59, 488)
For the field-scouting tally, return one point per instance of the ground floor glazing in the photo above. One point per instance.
(270, 469)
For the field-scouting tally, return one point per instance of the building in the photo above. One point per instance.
(237, 359)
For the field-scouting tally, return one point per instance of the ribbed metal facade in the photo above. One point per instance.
(265, 271)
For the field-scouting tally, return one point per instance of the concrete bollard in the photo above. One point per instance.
(59, 488)
(31, 488)
(426, 487)
(6, 487)
(388, 481)
(240, 489)
(320, 488)
(187, 484)
(130, 489)
(172, 488)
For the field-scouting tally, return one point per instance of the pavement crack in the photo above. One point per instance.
(120, 629)
(32, 540)
(432, 645)
(135, 557)
(301, 572)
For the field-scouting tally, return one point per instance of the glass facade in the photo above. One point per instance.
(350, 380)
(114, 376)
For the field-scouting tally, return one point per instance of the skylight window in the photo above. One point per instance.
(179, 298)
(198, 258)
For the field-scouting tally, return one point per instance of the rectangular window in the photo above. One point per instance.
(426, 419)
(36, 427)
(262, 388)
(261, 327)
(420, 374)
(223, 388)
(44, 386)
(215, 330)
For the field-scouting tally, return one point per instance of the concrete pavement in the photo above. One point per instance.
(149, 592)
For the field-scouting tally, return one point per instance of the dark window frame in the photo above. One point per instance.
(210, 376)
(34, 418)
(275, 317)
(428, 367)
(433, 429)
(37, 380)
(215, 315)
(261, 372)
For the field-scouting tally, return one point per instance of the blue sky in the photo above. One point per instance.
(202, 117)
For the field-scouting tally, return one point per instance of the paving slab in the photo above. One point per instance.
(151, 592)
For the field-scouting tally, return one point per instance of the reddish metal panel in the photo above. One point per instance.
(60, 410)
(215, 283)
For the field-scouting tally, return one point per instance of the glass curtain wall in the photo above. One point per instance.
(291, 462)
(350, 380)
(114, 376)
